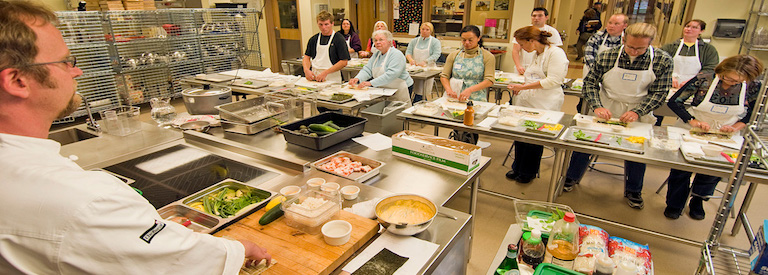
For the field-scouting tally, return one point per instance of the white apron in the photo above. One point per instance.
(686, 67)
(421, 55)
(717, 115)
(601, 48)
(322, 60)
(354, 54)
(397, 83)
(526, 58)
(547, 99)
(623, 89)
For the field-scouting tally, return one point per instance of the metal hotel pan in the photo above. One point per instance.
(209, 223)
(247, 111)
(355, 176)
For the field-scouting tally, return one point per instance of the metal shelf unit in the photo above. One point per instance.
(753, 21)
(84, 34)
(129, 57)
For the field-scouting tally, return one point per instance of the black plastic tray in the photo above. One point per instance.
(352, 126)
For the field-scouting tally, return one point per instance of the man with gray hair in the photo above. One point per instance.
(627, 82)
(56, 217)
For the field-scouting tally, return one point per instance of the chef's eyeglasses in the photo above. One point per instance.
(730, 80)
(71, 61)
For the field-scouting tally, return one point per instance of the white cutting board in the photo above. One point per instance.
(546, 116)
(634, 129)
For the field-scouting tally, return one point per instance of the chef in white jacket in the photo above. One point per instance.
(386, 69)
(56, 217)
(542, 90)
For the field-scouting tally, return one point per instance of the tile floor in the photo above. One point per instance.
(599, 196)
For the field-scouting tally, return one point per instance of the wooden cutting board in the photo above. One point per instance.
(297, 252)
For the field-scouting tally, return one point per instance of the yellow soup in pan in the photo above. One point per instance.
(407, 212)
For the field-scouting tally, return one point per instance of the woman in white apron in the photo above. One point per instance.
(386, 69)
(542, 90)
(350, 35)
(322, 60)
(691, 54)
(721, 103)
(370, 48)
(423, 51)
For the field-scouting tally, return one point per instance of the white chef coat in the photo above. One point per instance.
(60, 219)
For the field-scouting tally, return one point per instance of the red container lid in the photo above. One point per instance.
(569, 217)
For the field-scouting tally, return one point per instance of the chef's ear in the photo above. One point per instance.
(14, 82)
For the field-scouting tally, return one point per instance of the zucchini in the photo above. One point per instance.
(271, 215)
(321, 128)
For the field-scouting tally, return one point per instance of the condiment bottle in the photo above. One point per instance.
(469, 114)
(563, 246)
(603, 265)
(509, 264)
(532, 249)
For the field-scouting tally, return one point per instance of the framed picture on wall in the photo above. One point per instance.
(321, 7)
(501, 5)
(483, 6)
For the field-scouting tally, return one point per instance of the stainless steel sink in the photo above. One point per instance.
(70, 135)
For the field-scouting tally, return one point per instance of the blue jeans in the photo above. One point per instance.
(680, 185)
(527, 159)
(634, 172)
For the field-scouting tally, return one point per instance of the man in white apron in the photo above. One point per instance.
(522, 58)
(386, 69)
(326, 52)
(627, 83)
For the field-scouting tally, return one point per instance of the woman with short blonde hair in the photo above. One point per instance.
(422, 51)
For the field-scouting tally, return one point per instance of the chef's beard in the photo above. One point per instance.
(73, 104)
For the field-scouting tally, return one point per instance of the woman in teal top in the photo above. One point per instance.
(423, 50)
(468, 73)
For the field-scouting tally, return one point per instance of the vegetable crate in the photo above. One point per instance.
(350, 126)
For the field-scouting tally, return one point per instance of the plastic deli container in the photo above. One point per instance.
(539, 214)
(351, 126)
(310, 210)
(550, 269)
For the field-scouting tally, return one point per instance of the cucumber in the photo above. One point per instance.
(271, 215)
(332, 125)
(321, 128)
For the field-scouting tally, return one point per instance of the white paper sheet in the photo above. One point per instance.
(314, 84)
(376, 141)
(546, 116)
(413, 29)
(487, 122)
(418, 252)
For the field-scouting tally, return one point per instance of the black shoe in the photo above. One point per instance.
(696, 209)
(634, 199)
(512, 175)
(523, 179)
(569, 183)
(672, 213)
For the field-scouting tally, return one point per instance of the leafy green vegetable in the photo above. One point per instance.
(581, 135)
(531, 124)
(340, 96)
(248, 82)
(618, 139)
(229, 201)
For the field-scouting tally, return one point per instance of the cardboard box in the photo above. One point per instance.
(759, 252)
(443, 153)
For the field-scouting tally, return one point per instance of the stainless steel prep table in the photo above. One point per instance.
(452, 235)
(563, 151)
(348, 107)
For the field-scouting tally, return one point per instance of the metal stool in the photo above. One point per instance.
(593, 161)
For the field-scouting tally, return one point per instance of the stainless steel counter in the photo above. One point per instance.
(269, 151)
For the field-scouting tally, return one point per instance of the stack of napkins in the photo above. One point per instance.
(692, 149)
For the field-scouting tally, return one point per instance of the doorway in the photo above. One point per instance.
(667, 15)
(284, 31)
(368, 12)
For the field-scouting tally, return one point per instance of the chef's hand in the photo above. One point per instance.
(353, 82)
(676, 84)
(451, 93)
(321, 76)
(413, 63)
(254, 253)
(364, 54)
(423, 64)
(516, 88)
(699, 124)
(464, 96)
(520, 69)
(628, 117)
(603, 113)
(364, 84)
(733, 128)
(309, 75)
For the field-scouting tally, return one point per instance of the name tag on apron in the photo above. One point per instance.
(719, 109)
(629, 77)
(457, 66)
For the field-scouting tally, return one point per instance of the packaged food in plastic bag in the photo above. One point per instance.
(623, 250)
(593, 240)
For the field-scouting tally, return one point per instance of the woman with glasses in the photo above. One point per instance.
(722, 101)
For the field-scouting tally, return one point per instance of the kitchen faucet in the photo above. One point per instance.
(90, 123)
